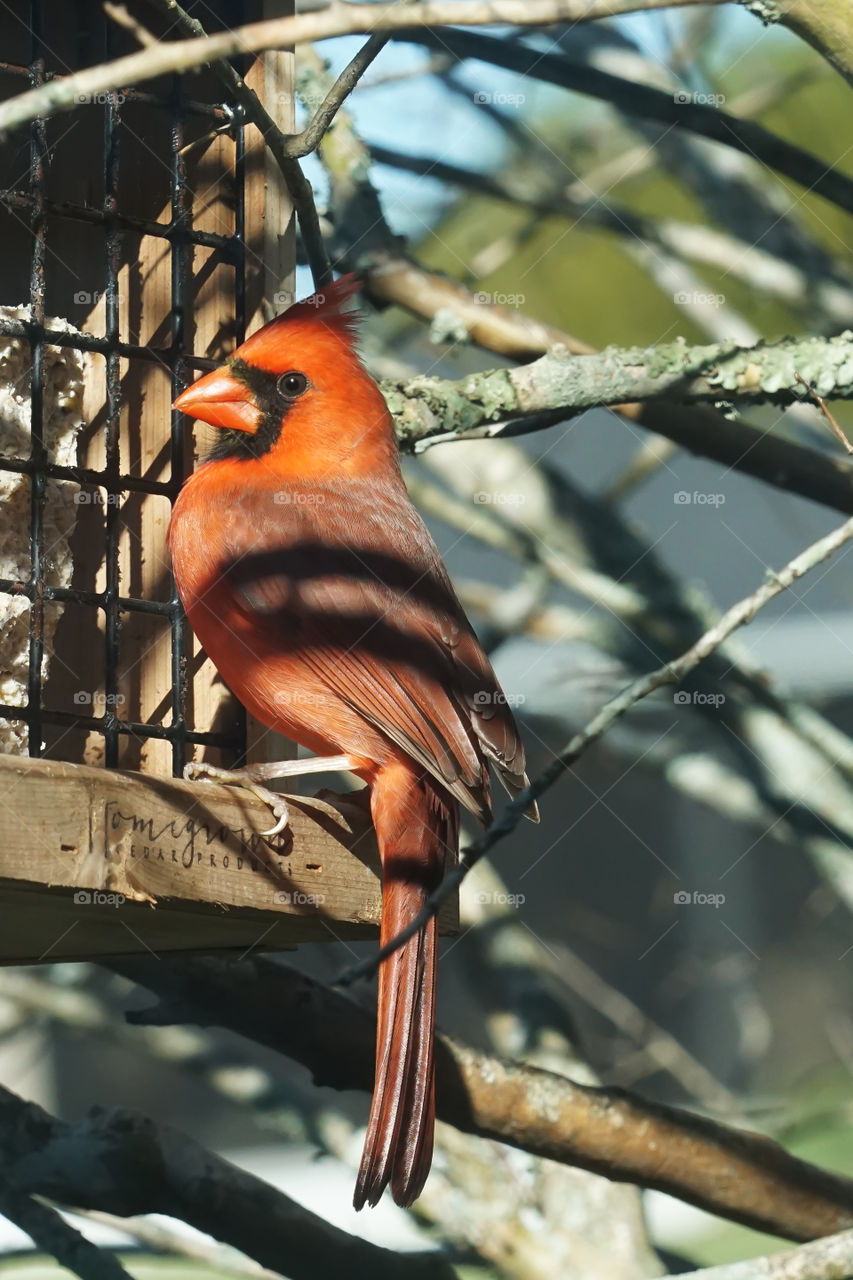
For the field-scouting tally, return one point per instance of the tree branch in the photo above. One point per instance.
(311, 137)
(123, 1163)
(336, 19)
(755, 451)
(562, 385)
(391, 278)
(827, 1259)
(820, 477)
(741, 1176)
(827, 25)
(49, 1232)
(758, 268)
(811, 172)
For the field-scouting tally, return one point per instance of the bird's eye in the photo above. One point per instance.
(292, 384)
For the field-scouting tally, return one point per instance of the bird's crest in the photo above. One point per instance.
(326, 305)
(268, 347)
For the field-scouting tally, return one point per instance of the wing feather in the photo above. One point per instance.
(382, 630)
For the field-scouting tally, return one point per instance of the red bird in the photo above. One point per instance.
(319, 594)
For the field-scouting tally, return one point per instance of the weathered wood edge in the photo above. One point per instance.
(96, 862)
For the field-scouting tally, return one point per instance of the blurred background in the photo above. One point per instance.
(680, 923)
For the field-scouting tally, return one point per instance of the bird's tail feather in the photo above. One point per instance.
(399, 1141)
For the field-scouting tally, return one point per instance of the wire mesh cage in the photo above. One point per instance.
(144, 233)
(130, 265)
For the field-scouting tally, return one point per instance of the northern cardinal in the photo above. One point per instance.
(319, 594)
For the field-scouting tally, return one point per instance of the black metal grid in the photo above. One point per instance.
(44, 214)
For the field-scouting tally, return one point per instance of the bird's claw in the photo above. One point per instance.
(199, 771)
(279, 809)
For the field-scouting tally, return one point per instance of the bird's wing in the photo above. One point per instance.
(380, 628)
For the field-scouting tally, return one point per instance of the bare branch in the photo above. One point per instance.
(388, 277)
(827, 25)
(49, 1232)
(311, 137)
(738, 1175)
(334, 20)
(755, 451)
(123, 1163)
(576, 200)
(643, 100)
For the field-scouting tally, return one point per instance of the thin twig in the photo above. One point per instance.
(298, 186)
(819, 400)
(737, 616)
(312, 135)
(122, 17)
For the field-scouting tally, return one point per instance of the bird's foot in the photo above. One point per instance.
(196, 771)
(252, 776)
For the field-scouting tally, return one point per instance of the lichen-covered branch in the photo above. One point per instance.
(739, 1175)
(565, 384)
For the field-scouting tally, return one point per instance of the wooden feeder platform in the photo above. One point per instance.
(98, 862)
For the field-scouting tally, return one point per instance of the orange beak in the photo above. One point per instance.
(223, 401)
